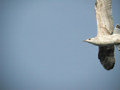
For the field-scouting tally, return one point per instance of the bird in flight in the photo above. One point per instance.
(106, 37)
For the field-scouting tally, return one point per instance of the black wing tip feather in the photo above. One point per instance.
(108, 64)
(96, 3)
(106, 56)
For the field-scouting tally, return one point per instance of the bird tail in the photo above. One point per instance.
(117, 31)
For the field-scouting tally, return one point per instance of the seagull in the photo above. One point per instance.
(106, 37)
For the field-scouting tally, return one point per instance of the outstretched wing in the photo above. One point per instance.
(104, 18)
(106, 56)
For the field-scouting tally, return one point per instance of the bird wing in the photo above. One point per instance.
(104, 18)
(106, 56)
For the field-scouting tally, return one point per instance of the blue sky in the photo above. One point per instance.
(42, 46)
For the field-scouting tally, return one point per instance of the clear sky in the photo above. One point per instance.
(42, 46)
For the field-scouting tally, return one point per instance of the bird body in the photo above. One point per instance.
(105, 40)
(106, 37)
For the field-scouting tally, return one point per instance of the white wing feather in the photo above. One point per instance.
(104, 18)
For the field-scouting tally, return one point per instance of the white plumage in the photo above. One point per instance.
(106, 38)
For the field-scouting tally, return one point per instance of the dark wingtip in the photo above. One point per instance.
(109, 67)
(96, 3)
(108, 64)
(117, 26)
(106, 57)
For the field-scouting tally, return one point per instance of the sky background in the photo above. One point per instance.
(42, 46)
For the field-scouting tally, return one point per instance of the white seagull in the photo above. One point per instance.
(106, 38)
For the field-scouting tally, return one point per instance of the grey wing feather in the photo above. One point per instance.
(106, 56)
(104, 18)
